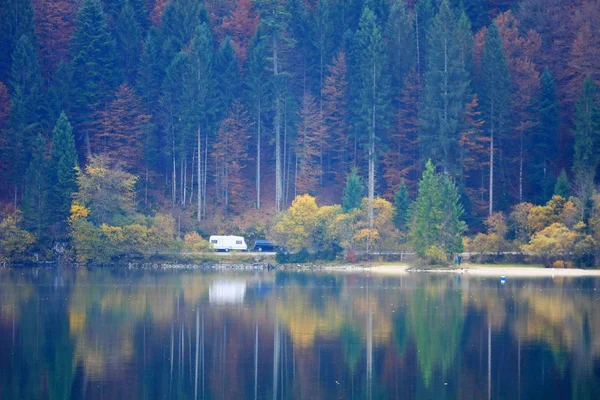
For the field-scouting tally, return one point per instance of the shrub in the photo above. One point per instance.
(435, 256)
(194, 242)
(14, 241)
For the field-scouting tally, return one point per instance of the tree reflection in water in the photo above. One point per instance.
(109, 333)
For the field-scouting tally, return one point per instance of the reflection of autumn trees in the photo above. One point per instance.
(323, 336)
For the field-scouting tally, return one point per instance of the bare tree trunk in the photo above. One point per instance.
(278, 169)
(200, 192)
(258, 154)
(491, 188)
(521, 168)
(192, 177)
(372, 154)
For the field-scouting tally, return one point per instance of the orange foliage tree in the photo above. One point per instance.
(401, 161)
(335, 118)
(157, 11)
(521, 51)
(230, 159)
(55, 23)
(240, 26)
(308, 146)
(121, 128)
(473, 156)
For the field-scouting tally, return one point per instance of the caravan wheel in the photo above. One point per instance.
(226, 250)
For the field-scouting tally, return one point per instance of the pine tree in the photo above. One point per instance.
(123, 126)
(446, 83)
(308, 147)
(230, 159)
(435, 216)
(562, 187)
(180, 19)
(424, 14)
(353, 192)
(60, 98)
(401, 206)
(205, 106)
(545, 138)
(372, 98)
(258, 93)
(61, 175)
(16, 20)
(228, 76)
(401, 44)
(5, 106)
(94, 61)
(34, 202)
(128, 34)
(586, 135)
(495, 81)
(27, 111)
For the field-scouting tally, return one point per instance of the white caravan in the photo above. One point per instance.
(227, 243)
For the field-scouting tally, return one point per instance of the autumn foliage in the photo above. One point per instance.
(310, 142)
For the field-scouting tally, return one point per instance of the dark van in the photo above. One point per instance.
(264, 245)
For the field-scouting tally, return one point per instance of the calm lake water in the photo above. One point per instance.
(122, 334)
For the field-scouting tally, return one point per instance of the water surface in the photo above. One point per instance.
(131, 334)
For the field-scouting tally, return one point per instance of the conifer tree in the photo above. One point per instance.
(373, 100)
(308, 146)
(16, 20)
(353, 192)
(435, 216)
(495, 81)
(446, 83)
(27, 109)
(228, 76)
(34, 202)
(401, 206)
(240, 27)
(258, 92)
(586, 135)
(94, 62)
(424, 14)
(562, 187)
(62, 177)
(128, 34)
(401, 44)
(180, 20)
(545, 139)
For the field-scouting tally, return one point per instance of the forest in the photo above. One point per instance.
(145, 123)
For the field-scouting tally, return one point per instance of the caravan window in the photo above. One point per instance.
(214, 241)
(238, 242)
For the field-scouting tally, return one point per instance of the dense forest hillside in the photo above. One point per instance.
(222, 109)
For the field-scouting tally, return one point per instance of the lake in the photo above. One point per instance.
(152, 334)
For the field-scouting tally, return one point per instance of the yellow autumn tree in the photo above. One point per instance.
(295, 226)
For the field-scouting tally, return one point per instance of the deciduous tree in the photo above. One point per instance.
(308, 147)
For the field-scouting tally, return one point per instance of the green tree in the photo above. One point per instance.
(353, 192)
(435, 216)
(27, 110)
(128, 34)
(62, 175)
(401, 206)
(373, 97)
(446, 82)
(228, 77)
(586, 135)
(545, 139)
(401, 44)
(495, 87)
(16, 20)
(34, 202)
(94, 65)
(562, 187)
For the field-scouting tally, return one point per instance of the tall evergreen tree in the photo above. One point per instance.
(545, 139)
(62, 175)
(353, 192)
(373, 97)
(310, 132)
(495, 95)
(94, 66)
(401, 44)
(435, 216)
(424, 14)
(128, 41)
(27, 110)
(258, 94)
(16, 20)
(562, 187)
(446, 83)
(401, 206)
(34, 202)
(180, 20)
(228, 76)
(586, 135)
